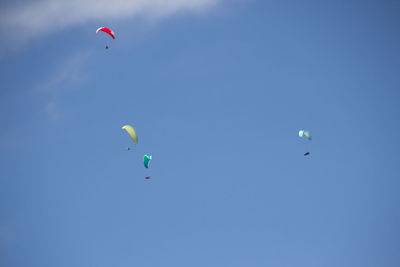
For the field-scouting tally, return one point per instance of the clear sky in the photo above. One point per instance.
(217, 91)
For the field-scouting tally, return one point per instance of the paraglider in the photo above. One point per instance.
(147, 177)
(146, 160)
(305, 134)
(106, 30)
(132, 133)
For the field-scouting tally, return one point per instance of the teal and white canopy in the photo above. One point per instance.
(146, 160)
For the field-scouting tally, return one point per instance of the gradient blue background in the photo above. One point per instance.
(217, 98)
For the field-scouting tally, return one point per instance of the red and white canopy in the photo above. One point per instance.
(106, 30)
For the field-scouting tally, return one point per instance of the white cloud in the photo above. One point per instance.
(52, 110)
(45, 16)
(67, 76)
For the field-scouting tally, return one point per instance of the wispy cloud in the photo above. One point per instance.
(71, 73)
(46, 16)
(53, 110)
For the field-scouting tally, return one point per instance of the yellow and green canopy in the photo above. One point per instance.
(131, 132)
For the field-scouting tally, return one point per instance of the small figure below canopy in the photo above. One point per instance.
(147, 177)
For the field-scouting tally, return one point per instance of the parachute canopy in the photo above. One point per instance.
(146, 160)
(305, 133)
(131, 132)
(106, 30)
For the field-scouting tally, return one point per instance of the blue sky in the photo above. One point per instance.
(217, 91)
